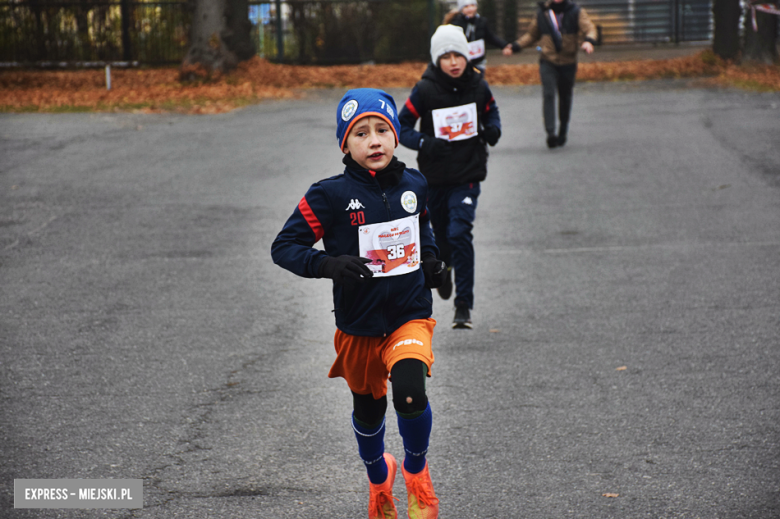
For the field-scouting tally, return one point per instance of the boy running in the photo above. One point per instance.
(381, 255)
(477, 32)
(458, 119)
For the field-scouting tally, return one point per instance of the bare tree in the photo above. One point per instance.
(725, 14)
(219, 38)
(760, 38)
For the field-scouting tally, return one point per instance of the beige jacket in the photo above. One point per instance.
(570, 42)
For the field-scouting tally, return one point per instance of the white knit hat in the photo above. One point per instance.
(464, 3)
(448, 38)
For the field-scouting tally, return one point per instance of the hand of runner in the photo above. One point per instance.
(434, 148)
(345, 270)
(435, 271)
(491, 134)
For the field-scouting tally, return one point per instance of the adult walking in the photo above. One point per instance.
(560, 28)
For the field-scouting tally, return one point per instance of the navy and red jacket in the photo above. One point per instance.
(331, 211)
(467, 159)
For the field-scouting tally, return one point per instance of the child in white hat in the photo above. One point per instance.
(477, 32)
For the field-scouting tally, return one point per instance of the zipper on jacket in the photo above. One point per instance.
(387, 285)
(387, 204)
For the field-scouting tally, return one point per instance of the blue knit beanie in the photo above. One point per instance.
(365, 102)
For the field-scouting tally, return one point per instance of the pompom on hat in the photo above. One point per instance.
(464, 3)
(365, 102)
(448, 38)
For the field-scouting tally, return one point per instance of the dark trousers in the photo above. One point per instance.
(558, 78)
(453, 210)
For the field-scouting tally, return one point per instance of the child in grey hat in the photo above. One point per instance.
(458, 120)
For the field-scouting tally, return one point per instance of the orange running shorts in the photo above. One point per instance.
(365, 362)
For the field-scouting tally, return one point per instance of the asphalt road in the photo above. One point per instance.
(627, 316)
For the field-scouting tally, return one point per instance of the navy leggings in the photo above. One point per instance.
(453, 210)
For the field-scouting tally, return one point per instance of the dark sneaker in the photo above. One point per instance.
(552, 141)
(462, 317)
(445, 291)
(561, 139)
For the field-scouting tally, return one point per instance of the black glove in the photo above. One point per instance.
(516, 47)
(434, 148)
(345, 270)
(491, 134)
(435, 271)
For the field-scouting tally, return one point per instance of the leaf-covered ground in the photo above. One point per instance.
(159, 90)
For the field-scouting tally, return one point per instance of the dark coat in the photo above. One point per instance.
(476, 28)
(332, 210)
(467, 160)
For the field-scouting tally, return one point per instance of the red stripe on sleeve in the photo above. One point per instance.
(411, 108)
(311, 219)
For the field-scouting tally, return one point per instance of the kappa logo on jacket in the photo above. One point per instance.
(354, 204)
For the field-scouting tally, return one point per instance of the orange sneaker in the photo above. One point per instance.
(423, 503)
(380, 500)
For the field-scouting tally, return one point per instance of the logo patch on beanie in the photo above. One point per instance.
(349, 110)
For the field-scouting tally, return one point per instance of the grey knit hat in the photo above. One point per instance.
(448, 38)
(464, 3)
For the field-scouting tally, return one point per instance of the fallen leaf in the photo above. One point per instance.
(158, 90)
(609, 494)
(621, 368)
(494, 330)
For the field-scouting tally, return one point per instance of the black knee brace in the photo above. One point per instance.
(368, 411)
(408, 379)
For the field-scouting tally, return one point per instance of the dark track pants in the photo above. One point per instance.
(453, 210)
(560, 79)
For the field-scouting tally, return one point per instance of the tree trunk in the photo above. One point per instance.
(237, 34)
(760, 45)
(726, 15)
(219, 38)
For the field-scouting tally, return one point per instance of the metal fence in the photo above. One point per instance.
(644, 21)
(156, 32)
(304, 31)
(92, 31)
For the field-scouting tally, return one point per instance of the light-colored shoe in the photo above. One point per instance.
(423, 503)
(380, 500)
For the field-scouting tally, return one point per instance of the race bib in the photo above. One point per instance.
(456, 123)
(476, 49)
(393, 247)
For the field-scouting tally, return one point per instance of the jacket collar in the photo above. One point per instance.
(471, 77)
(390, 176)
(563, 6)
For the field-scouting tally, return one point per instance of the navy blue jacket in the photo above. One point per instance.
(332, 210)
(476, 28)
(467, 160)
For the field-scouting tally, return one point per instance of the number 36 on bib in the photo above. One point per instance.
(393, 247)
